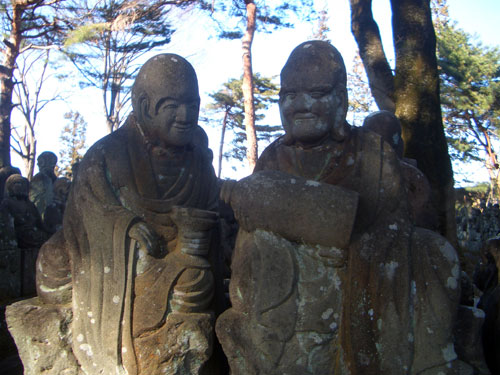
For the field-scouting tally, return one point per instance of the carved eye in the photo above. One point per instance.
(317, 94)
(290, 95)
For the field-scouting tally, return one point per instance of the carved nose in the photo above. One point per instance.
(182, 113)
(301, 103)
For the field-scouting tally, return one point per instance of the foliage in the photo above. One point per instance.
(73, 142)
(470, 97)
(323, 29)
(107, 41)
(228, 103)
(230, 15)
(361, 102)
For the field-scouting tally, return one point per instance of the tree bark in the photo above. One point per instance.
(221, 146)
(415, 93)
(11, 52)
(247, 85)
(418, 104)
(367, 35)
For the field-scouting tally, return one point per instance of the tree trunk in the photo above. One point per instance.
(11, 52)
(415, 93)
(221, 146)
(418, 104)
(378, 71)
(247, 85)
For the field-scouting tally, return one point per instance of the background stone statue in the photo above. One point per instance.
(338, 283)
(53, 216)
(22, 214)
(42, 184)
(138, 247)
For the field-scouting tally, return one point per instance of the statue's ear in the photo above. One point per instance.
(144, 107)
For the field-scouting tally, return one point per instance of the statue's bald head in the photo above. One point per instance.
(17, 185)
(314, 60)
(313, 95)
(165, 75)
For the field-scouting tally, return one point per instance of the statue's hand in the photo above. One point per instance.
(226, 190)
(142, 233)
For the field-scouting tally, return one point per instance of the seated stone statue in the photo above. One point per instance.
(329, 273)
(42, 185)
(137, 236)
(24, 217)
(387, 125)
(54, 212)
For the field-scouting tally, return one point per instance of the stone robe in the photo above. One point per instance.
(113, 280)
(385, 303)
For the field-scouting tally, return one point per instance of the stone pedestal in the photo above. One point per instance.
(43, 337)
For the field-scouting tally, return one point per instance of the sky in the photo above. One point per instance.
(216, 61)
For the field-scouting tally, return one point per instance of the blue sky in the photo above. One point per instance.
(216, 61)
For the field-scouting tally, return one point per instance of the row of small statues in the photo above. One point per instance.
(32, 212)
(335, 269)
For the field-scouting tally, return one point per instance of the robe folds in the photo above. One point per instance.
(387, 303)
(116, 187)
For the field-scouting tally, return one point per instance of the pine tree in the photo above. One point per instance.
(229, 104)
(72, 141)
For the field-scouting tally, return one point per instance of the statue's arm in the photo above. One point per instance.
(297, 209)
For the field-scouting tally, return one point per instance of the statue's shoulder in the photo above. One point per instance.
(269, 156)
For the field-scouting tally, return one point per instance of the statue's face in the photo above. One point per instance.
(310, 105)
(18, 188)
(174, 115)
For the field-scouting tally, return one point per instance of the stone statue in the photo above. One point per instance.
(54, 212)
(139, 236)
(42, 185)
(486, 278)
(24, 217)
(329, 273)
(387, 125)
(5, 172)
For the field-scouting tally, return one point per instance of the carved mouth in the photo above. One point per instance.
(305, 119)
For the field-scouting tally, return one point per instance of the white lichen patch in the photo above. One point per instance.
(308, 45)
(124, 349)
(87, 349)
(455, 271)
(79, 338)
(379, 324)
(174, 59)
(333, 326)
(327, 314)
(293, 181)
(313, 183)
(350, 160)
(449, 352)
(452, 282)
(430, 331)
(449, 252)
(410, 337)
(107, 269)
(92, 321)
(390, 269)
(370, 312)
(395, 138)
(89, 314)
(116, 299)
(393, 226)
(413, 288)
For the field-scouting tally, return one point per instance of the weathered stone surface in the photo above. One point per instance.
(138, 252)
(43, 337)
(380, 296)
(42, 185)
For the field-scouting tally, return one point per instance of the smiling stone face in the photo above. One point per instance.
(313, 95)
(166, 100)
